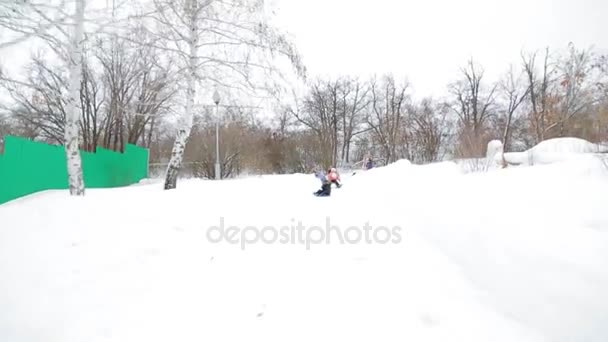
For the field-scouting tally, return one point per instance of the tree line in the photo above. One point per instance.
(115, 72)
(138, 81)
(547, 94)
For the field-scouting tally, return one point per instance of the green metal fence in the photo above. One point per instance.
(27, 167)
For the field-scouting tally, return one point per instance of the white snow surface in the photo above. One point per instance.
(567, 145)
(554, 150)
(519, 254)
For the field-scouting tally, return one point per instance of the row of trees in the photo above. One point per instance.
(547, 94)
(138, 79)
(124, 93)
(350, 118)
(117, 76)
(336, 122)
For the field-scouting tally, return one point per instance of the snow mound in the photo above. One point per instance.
(401, 173)
(494, 147)
(555, 150)
(567, 145)
(149, 181)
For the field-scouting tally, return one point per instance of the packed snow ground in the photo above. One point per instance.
(508, 255)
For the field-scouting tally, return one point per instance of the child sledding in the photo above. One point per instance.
(325, 185)
(327, 179)
(334, 176)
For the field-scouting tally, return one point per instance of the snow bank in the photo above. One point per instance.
(567, 145)
(554, 150)
(517, 254)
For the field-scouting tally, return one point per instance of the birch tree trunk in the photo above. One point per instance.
(177, 155)
(72, 125)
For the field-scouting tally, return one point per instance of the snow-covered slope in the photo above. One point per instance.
(509, 255)
(554, 150)
(567, 145)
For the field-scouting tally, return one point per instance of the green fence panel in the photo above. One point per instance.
(28, 167)
(3, 175)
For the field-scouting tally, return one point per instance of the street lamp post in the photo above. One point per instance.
(216, 99)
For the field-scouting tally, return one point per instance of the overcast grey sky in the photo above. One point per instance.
(425, 40)
(428, 40)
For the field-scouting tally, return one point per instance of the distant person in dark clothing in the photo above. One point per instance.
(366, 164)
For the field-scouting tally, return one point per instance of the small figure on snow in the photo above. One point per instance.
(325, 185)
(334, 176)
(369, 163)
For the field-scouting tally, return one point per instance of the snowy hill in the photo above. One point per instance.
(552, 150)
(518, 254)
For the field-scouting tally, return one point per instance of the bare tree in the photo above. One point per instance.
(388, 112)
(429, 131)
(120, 71)
(601, 122)
(335, 111)
(354, 100)
(473, 104)
(76, 179)
(213, 41)
(562, 89)
(120, 102)
(576, 89)
(6, 127)
(240, 148)
(138, 88)
(514, 92)
(540, 87)
(39, 100)
(320, 113)
(29, 19)
(91, 102)
(288, 147)
(48, 20)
